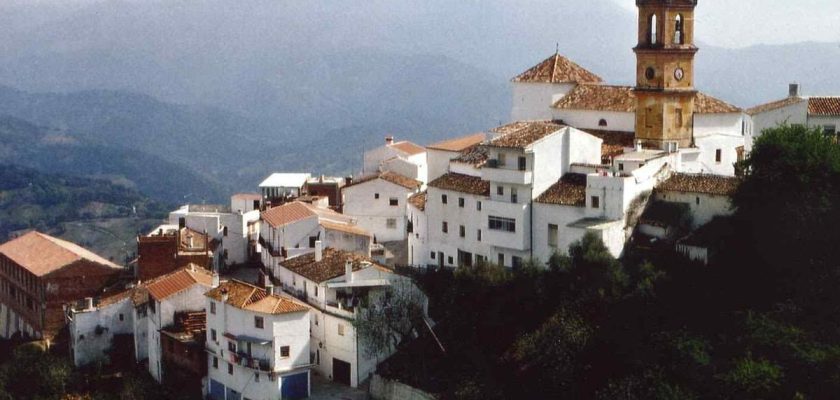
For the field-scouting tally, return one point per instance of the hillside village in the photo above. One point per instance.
(254, 299)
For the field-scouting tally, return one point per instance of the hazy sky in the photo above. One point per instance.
(740, 23)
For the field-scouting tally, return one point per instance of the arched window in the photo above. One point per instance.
(652, 29)
(679, 35)
(602, 122)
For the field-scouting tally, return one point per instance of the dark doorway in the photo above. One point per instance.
(341, 371)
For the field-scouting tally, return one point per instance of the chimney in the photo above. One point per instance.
(348, 271)
(224, 295)
(638, 145)
(389, 140)
(160, 232)
(348, 180)
(319, 251)
(215, 283)
(89, 303)
(269, 289)
(793, 90)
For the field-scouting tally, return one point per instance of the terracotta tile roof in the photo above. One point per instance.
(570, 190)
(347, 228)
(459, 144)
(705, 104)
(42, 254)
(775, 105)
(700, 183)
(389, 176)
(600, 98)
(249, 297)
(475, 155)
(827, 106)
(621, 99)
(408, 148)
(557, 69)
(614, 142)
(178, 281)
(115, 298)
(287, 214)
(418, 200)
(519, 135)
(332, 265)
(462, 183)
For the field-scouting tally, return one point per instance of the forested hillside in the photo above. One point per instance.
(94, 213)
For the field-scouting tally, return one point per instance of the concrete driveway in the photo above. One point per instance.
(322, 389)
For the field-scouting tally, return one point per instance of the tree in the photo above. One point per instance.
(389, 320)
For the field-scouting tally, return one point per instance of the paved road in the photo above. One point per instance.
(323, 389)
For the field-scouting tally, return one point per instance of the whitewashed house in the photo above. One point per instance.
(812, 111)
(294, 228)
(707, 196)
(418, 230)
(258, 344)
(403, 158)
(94, 323)
(232, 230)
(379, 204)
(335, 284)
(439, 155)
(156, 303)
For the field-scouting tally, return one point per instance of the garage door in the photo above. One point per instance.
(217, 390)
(341, 371)
(294, 387)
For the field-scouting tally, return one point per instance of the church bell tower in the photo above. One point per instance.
(665, 73)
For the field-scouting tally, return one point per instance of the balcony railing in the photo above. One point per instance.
(244, 360)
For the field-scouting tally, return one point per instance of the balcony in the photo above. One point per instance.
(244, 360)
(510, 176)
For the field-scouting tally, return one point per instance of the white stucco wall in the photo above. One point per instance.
(191, 299)
(418, 248)
(86, 345)
(792, 114)
(707, 160)
(589, 119)
(533, 101)
(562, 216)
(704, 207)
(469, 216)
(438, 162)
(372, 214)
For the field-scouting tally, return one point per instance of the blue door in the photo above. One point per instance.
(233, 395)
(295, 387)
(217, 390)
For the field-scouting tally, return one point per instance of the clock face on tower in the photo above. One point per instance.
(679, 74)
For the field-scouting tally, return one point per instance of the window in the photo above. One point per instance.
(621, 166)
(122, 317)
(718, 155)
(230, 369)
(316, 291)
(443, 199)
(224, 231)
(212, 307)
(552, 235)
(216, 362)
(523, 163)
(478, 205)
(478, 235)
(678, 117)
(500, 190)
(284, 350)
(461, 202)
(259, 323)
(391, 223)
(213, 335)
(697, 200)
(450, 260)
(462, 231)
(376, 196)
(501, 260)
(502, 159)
(340, 330)
(514, 197)
(433, 255)
(445, 227)
(679, 36)
(502, 224)
(312, 240)
(517, 262)
(830, 130)
(256, 376)
(652, 30)
(602, 122)
(232, 346)
(596, 202)
(393, 201)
